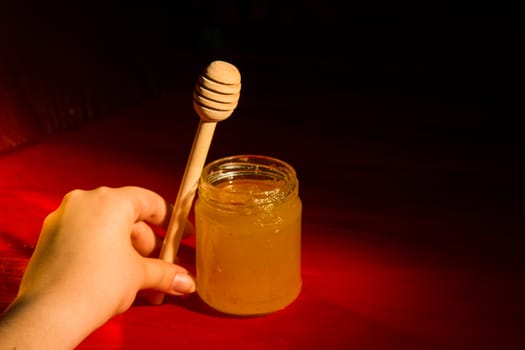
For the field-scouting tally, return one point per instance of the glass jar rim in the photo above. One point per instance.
(279, 177)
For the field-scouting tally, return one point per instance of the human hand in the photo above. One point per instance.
(89, 263)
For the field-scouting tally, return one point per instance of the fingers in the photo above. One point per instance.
(151, 207)
(147, 205)
(165, 277)
(144, 239)
(146, 242)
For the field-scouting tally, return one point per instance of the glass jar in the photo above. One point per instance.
(248, 235)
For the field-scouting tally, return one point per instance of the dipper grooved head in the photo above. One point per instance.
(217, 91)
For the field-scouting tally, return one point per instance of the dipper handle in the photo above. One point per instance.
(215, 97)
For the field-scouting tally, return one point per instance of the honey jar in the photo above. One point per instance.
(248, 235)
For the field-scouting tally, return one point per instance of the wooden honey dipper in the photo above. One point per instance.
(215, 97)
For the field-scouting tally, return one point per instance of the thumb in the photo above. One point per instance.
(165, 277)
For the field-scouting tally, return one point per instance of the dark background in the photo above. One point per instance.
(400, 71)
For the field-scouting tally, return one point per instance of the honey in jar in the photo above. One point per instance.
(248, 235)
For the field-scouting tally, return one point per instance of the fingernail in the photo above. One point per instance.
(183, 283)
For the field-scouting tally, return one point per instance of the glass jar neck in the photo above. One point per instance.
(247, 181)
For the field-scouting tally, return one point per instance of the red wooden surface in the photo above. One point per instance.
(406, 245)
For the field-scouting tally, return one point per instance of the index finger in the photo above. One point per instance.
(147, 205)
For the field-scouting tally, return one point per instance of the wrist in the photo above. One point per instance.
(44, 322)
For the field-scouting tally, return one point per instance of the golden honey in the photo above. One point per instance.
(248, 235)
